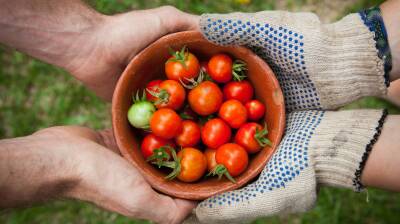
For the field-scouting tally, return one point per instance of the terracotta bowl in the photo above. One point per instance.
(149, 65)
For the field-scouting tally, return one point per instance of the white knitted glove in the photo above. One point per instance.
(319, 148)
(319, 66)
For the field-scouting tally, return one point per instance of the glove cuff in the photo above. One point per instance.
(342, 144)
(344, 62)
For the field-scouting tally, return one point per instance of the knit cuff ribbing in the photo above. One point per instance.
(373, 20)
(344, 63)
(342, 144)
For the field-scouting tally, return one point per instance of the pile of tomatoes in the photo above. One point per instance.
(207, 105)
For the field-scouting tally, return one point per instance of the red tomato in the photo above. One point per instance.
(220, 68)
(206, 98)
(165, 123)
(181, 66)
(238, 90)
(215, 133)
(210, 156)
(151, 142)
(234, 157)
(233, 112)
(193, 164)
(255, 110)
(152, 86)
(190, 134)
(252, 137)
(171, 94)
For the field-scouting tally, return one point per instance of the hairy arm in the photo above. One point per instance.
(79, 163)
(31, 171)
(94, 48)
(52, 31)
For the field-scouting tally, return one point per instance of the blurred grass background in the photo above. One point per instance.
(35, 95)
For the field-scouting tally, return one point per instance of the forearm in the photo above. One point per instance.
(390, 13)
(29, 174)
(382, 167)
(50, 30)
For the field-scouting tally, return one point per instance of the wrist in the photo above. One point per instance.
(341, 146)
(391, 19)
(35, 161)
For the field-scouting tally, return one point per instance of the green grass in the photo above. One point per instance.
(34, 95)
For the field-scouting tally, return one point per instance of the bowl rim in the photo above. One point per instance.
(151, 180)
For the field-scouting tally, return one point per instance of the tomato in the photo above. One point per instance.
(182, 65)
(210, 156)
(233, 112)
(220, 68)
(205, 98)
(238, 90)
(193, 164)
(165, 123)
(171, 94)
(252, 137)
(255, 110)
(190, 134)
(154, 87)
(152, 142)
(215, 133)
(233, 157)
(140, 112)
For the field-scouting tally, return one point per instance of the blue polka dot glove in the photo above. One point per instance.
(319, 148)
(319, 66)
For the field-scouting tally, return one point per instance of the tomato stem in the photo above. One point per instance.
(193, 82)
(136, 98)
(238, 70)
(220, 170)
(179, 56)
(162, 95)
(261, 137)
(161, 158)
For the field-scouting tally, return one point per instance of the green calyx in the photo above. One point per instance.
(239, 69)
(220, 170)
(179, 56)
(159, 155)
(162, 95)
(204, 119)
(192, 83)
(137, 98)
(161, 158)
(261, 137)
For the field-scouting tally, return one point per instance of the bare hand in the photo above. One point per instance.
(76, 162)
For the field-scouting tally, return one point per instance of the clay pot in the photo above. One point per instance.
(149, 65)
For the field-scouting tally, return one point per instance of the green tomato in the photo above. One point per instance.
(140, 113)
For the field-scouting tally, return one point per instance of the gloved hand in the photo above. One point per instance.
(319, 67)
(319, 148)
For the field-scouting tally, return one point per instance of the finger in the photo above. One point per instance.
(185, 207)
(174, 20)
(169, 210)
(159, 22)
